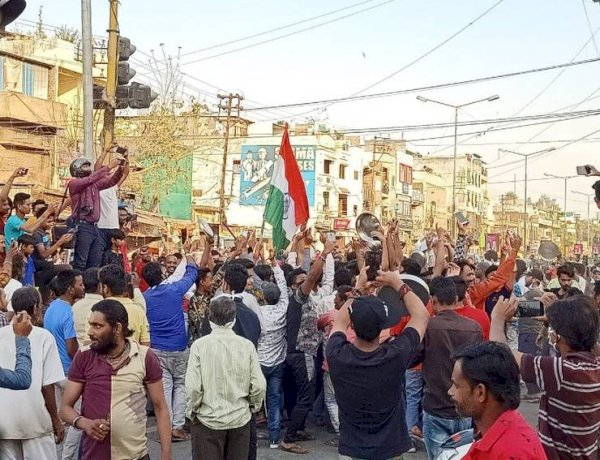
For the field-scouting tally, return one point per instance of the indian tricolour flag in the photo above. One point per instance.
(287, 205)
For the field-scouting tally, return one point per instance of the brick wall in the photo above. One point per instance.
(38, 165)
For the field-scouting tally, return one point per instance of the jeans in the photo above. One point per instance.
(302, 366)
(436, 430)
(414, 396)
(274, 378)
(174, 366)
(330, 402)
(88, 247)
(527, 345)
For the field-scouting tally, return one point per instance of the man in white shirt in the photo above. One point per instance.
(29, 426)
(109, 201)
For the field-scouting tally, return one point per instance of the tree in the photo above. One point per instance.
(66, 33)
(164, 142)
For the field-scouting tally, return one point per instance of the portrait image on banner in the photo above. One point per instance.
(256, 169)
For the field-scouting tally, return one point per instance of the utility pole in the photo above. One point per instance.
(108, 129)
(226, 103)
(88, 79)
(566, 179)
(456, 108)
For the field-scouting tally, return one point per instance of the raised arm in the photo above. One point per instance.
(440, 254)
(19, 172)
(419, 316)
(316, 270)
(503, 311)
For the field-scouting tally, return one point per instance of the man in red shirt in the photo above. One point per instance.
(467, 310)
(485, 386)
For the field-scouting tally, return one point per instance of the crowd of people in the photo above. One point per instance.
(216, 342)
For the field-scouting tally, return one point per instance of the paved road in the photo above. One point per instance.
(318, 450)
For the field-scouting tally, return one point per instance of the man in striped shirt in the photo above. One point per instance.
(569, 413)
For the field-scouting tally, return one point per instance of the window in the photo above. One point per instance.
(343, 205)
(355, 175)
(327, 166)
(325, 200)
(236, 166)
(406, 174)
(342, 171)
(35, 80)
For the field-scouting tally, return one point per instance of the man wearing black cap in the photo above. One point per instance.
(365, 374)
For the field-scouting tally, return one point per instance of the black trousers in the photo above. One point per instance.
(302, 367)
(210, 444)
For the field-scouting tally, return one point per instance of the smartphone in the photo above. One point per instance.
(530, 308)
(72, 230)
(121, 150)
(460, 218)
(583, 170)
(331, 237)
(373, 261)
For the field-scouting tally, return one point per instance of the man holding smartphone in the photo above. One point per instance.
(85, 189)
(109, 202)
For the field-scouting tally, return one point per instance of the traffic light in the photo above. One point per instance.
(141, 96)
(10, 10)
(130, 94)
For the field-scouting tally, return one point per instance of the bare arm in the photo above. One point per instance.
(50, 402)
(19, 172)
(419, 316)
(32, 228)
(440, 254)
(316, 270)
(503, 311)
(163, 421)
(72, 347)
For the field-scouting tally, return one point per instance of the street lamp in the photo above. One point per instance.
(566, 179)
(590, 197)
(526, 157)
(495, 97)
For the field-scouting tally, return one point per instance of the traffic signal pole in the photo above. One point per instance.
(108, 129)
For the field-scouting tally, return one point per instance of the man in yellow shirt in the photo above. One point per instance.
(113, 285)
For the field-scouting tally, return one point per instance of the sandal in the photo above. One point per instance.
(293, 448)
(179, 436)
(304, 436)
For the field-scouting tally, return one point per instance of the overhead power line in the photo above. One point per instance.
(279, 37)
(427, 88)
(276, 29)
(432, 50)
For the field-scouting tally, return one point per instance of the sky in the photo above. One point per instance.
(381, 37)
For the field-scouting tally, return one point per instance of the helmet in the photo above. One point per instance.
(77, 165)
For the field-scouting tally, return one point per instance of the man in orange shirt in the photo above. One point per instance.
(478, 292)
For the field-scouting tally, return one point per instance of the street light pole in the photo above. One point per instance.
(456, 109)
(566, 179)
(589, 197)
(526, 157)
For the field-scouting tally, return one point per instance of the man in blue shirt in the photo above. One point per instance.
(168, 336)
(58, 320)
(20, 378)
(16, 225)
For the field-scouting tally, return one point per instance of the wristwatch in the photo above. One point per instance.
(404, 289)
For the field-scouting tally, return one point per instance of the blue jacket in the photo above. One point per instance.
(164, 309)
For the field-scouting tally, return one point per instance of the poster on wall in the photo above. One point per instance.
(256, 169)
(491, 242)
